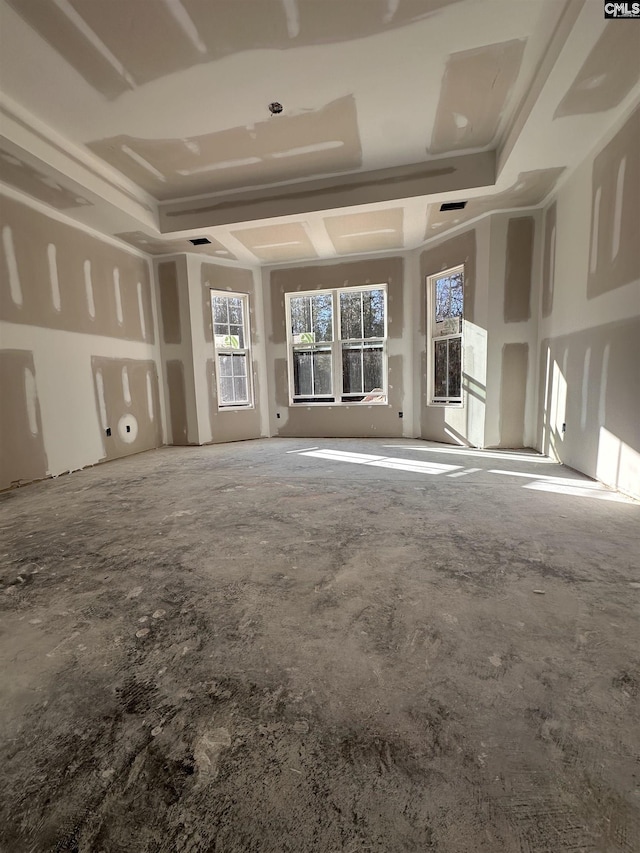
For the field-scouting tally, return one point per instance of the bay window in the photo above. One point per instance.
(337, 341)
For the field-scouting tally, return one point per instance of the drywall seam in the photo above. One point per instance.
(65, 219)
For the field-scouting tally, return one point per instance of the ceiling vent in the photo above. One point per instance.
(200, 241)
(453, 205)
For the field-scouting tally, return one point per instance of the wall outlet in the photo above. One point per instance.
(108, 430)
(400, 414)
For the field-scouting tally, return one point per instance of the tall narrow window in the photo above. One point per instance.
(446, 302)
(230, 313)
(337, 345)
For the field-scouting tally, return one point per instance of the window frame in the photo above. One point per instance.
(336, 398)
(246, 350)
(448, 401)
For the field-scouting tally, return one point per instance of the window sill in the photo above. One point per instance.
(335, 405)
(435, 405)
(248, 408)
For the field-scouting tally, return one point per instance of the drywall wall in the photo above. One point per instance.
(226, 424)
(458, 424)
(172, 287)
(79, 352)
(513, 298)
(341, 420)
(589, 354)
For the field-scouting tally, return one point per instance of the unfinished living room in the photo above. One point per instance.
(319, 426)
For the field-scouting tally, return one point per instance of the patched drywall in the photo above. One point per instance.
(513, 394)
(590, 392)
(71, 369)
(113, 52)
(177, 401)
(22, 452)
(549, 260)
(169, 302)
(614, 253)
(16, 172)
(530, 189)
(59, 277)
(608, 74)
(590, 338)
(313, 142)
(341, 420)
(474, 91)
(372, 231)
(518, 269)
(128, 405)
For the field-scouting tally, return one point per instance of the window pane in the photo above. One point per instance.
(455, 366)
(220, 330)
(322, 317)
(440, 371)
(372, 359)
(351, 315)
(226, 365)
(449, 297)
(322, 372)
(220, 310)
(300, 314)
(226, 390)
(240, 389)
(373, 310)
(239, 363)
(235, 310)
(351, 370)
(302, 377)
(237, 333)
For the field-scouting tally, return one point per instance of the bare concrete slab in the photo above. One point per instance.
(322, 646)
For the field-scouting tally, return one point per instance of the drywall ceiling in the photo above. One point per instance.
(150, 119)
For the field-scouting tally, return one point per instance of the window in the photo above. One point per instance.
(445, 298)
(230, 313)
(337, 345)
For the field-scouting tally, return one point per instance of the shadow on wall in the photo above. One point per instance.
(590, 394)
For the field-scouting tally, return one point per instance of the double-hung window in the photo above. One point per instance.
(445, 298)
(338, 345)
(230, 313)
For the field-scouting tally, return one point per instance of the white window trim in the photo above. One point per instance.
(217, 351)
(430, 285)
(336, 347)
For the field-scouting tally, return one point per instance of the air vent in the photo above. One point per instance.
(453, 205)
(200, 241)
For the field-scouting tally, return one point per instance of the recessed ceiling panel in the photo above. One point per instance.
(282, 148)
(474, 92)
(275, 243)
(608, 74)
(366, 232)
(530, 189)
(158, 246)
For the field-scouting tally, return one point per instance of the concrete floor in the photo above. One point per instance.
(248, 648)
